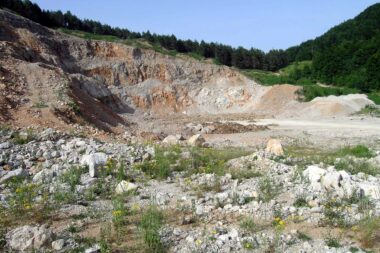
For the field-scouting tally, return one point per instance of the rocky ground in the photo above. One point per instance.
(65, 193)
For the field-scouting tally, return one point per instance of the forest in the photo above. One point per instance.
(347, 55)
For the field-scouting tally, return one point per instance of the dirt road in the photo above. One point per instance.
(329, 133)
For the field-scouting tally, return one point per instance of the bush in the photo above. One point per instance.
(357, 151)
(332, 242)
(72, 176)
(368, 231)
(21, 138)
(267, 189)
(370, 110)
(354, 166)
(248, 224)
(375, 97)
(200, 160)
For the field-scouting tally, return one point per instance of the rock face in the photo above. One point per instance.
(113, 77)
(274, 147)
(105, 81)
(94, 163)
(29, 238)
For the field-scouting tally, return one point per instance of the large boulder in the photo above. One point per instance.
(314, 174)
(339, 181)
(172, 139)
(196, 140)
(274, 147)
(29, 238)
(370, 189)
(124, 187)
(94, 162)
(5, 145)
(20, 172)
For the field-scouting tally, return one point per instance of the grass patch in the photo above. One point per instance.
(21, 138)
(304, 156)
(197, 160)
(300, 202)
(248, 225)
(303, 236)
(335, 210)
(26, 202)
(309, 92)
(74, 107)
(245, 173)
(292, 74)
(268, 189)
(291, 68)
(370, 110)
(89, 36)
(369, 229)
(72, 176)
(354, 166)
(151, 222)
(360, 151)
(40, 104)
(267, 77)
(332, 242)
(299, 73)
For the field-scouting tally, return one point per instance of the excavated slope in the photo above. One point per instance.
(50, 75)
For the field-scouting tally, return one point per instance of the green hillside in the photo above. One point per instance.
(348, 54)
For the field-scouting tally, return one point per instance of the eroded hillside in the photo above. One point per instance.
(52, 79)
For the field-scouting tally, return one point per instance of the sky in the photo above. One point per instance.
(263, 24)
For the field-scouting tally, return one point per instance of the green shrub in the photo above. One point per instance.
(21, 138)
(357, 151)
(200, 160)
(303, 236)
(248, 224)
(267, 189)
(354, 166)
(369, 228)
(375, 97)
(332, 242)
(370, 110)
(300, 202)
(40, 104)
(72, 176)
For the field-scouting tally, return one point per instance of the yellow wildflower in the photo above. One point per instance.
(198, 242)
(116, 213)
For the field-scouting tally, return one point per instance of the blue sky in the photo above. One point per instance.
(263, 24)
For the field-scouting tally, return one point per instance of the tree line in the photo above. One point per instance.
(347, 55)
(237, 57)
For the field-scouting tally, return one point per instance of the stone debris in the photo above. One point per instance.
(274, 147)
(216, 199)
